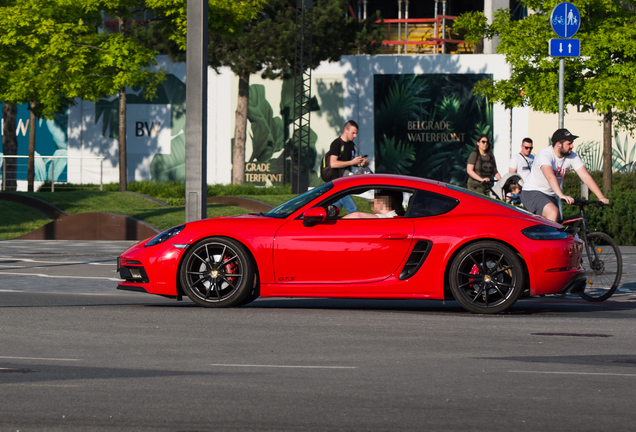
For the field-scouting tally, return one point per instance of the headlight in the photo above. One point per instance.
(167, 234)
(544, 232)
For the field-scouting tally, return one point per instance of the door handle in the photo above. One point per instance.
(395, 236)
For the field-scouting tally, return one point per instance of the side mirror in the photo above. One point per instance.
(314, 216)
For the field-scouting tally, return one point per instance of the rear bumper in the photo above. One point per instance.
(575, 286)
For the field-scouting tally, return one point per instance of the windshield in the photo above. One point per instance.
(285, 209)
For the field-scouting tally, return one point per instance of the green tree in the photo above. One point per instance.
(53, 51)
(26, 75)
(60, 54)
(600, 79)
(266, 45)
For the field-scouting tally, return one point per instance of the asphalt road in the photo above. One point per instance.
(78, 355)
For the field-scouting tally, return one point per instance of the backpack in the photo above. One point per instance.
(325, 169)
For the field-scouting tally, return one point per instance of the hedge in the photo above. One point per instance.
(618, 219)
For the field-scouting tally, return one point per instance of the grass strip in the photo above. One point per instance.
(17, 219)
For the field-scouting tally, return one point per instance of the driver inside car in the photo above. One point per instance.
(386, 204)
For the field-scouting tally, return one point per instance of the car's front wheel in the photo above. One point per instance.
(486, 277)
(217, 272)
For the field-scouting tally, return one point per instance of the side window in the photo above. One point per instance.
(360, 197)
(424, 204)
(370, 202)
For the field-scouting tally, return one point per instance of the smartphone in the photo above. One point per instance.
(364, 155)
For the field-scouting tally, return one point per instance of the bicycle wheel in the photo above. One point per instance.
(603, 274)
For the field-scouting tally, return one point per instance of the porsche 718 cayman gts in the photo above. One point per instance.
(444, 243)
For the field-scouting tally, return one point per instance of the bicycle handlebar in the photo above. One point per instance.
(582, 202)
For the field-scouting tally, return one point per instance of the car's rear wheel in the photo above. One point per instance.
(217, 272)
(486, 277)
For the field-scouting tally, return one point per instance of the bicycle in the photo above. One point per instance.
(601, 258)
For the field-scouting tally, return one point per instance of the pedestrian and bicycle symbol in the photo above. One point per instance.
(565, 20)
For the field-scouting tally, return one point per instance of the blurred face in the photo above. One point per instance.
(483, 144)
(526, 148)
(350, 133)
(380, 203)
(565, 148)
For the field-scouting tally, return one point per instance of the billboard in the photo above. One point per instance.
(51, 139)
(426, 125)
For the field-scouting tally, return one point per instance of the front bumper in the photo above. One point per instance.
(152, 269)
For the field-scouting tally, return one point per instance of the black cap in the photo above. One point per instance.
(562, 135)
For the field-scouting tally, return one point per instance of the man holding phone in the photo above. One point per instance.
(341, 158)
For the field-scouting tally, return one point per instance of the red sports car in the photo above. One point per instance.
(423, 240)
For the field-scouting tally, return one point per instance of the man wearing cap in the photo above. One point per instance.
(542, 189)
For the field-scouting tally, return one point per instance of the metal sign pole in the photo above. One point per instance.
(561, 90)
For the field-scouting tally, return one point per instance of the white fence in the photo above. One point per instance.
(46, 169)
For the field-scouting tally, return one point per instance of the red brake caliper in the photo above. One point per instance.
(473, 271)
(230, 268)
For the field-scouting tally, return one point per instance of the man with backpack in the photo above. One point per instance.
(339, 160)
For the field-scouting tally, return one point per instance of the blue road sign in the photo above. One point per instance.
(565, 48)
(565, 19)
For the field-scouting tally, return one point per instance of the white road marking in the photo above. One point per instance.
(38, 358)
(285, 366)
(575, 373)
(29, 260)
(18, 267)
(116, 293)
(60, 277)
(22, 384)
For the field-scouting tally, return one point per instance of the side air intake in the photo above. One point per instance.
(416, 259)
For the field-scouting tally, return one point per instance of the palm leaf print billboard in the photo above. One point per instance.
(426, 125)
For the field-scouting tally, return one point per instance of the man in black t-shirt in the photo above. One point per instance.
(342, 150)
(341, 158)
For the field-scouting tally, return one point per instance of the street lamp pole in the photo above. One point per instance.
(197, 110)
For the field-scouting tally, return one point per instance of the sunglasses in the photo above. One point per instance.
(484, 141)
(527, 148)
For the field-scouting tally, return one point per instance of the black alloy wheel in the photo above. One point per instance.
(217, 272)
(486, 277)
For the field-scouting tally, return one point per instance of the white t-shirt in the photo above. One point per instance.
(536, 180)
(522, 164)
(390, 214)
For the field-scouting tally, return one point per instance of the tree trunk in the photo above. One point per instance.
(123, 179)
(123, 165)
(607, 151)
(9, 144)
(238, 154)
(31, 169)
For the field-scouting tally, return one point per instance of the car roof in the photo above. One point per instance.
(474, 200)
(388, 180)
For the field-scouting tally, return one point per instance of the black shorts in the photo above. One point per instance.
(535, 201)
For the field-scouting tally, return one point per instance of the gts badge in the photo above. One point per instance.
(286, 279)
